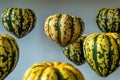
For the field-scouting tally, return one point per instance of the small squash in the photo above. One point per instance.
(63, 28)
(52, 71)
(18, 21)
(74, 52)
(9, 55)
(102, 52)
(108, 20)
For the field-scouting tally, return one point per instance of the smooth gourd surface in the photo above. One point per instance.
(9, 55)
(63, 29)
(102, 52)
(108, 20)
(52, 71)
(18, 21)
(74, 52)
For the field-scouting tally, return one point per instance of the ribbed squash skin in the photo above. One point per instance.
(9, 55)
(63, 28)
(74, 52)
(18, 21)
(108, 20)
(52, 71)
(102, 52)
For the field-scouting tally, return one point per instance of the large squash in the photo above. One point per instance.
(52, 71)
(18, 21)
(9, 55)
(74, 52)
(102, 52)
(63, 28)
(108, 20)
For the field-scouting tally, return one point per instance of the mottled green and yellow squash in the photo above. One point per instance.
(102, 52)
(63, 28)
(9, 55)
(52, 71)
(18, 21)
(74, 52)
(108, 20)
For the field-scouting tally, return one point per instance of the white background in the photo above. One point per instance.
(37, 47)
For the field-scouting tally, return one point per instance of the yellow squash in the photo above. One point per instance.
(52, 71)
(63, 28)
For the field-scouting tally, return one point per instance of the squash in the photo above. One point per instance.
(102, 52)
(108, 20)
(52, 71)
(9, 55)
(63, 29)
(18, 21)
(74, 52)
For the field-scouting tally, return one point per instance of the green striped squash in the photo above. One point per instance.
(108, 20)
(9, 55)
(63, 28)
(18, 21)
(52, 71)
(74, 52)
(102, 52)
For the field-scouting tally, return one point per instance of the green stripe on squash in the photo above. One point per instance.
(18, 21)
(63, 29)
(108, 20)
(9, 55)
(74, 52)
(52, 71)
(102, 52)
